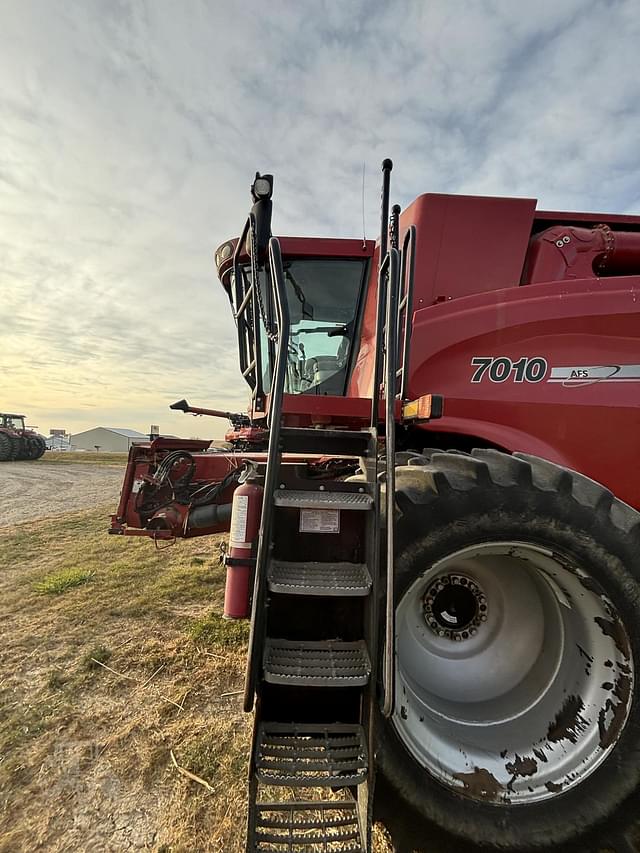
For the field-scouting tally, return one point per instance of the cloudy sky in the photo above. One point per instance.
(130, 131)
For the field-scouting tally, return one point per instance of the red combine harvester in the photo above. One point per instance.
(443, 590)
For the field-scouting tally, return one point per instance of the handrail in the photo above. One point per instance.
(248, 330)
(387, 166)
(379, 354)
(394, 299)
(406, 303)
(274, 415)
(238, 294)
(283, 325)
(391, 362)
(394, 226)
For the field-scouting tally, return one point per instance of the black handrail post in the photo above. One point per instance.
(379, 354)
(387, 166)
(255, 278)
(394, 227)
(243, 297)
(238, 279)
(274, 418)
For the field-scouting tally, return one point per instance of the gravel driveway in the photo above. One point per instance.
(33, 490)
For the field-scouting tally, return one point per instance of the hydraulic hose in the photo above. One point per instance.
(208, 516)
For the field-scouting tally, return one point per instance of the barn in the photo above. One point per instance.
(107, 439)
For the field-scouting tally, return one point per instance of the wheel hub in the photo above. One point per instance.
(454, 607)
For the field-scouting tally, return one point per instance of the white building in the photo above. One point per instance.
(107, 439)
(58, 442)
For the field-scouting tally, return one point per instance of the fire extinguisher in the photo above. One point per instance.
(240, 559)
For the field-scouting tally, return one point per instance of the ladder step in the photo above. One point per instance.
(330, 442)
(320, 663)
(307, 827)
(323, 500)
(311, 578)
(308, 755)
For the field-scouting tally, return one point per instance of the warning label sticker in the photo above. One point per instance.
(319, 521)
(238, 532)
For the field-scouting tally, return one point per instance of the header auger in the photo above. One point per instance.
(434, 526)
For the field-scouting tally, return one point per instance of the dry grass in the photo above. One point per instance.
(85, 752)
(88, 457)
(102, 680)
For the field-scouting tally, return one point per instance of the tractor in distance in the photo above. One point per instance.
(18, 441)
(433, 507)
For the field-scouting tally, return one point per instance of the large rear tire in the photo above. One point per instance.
(22, 449)
(6, 447)
(517, 721)
(12, 446)
(36, 447)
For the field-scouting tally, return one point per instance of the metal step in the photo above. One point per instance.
(323, 499)
(312, 578)
(308, 754)
(307, 827)
(320, 663)
(329, 442)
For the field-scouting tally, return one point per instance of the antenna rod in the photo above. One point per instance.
(364, 231)
(387, 166)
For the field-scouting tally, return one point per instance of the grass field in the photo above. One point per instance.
(85, 753)
(88, 457)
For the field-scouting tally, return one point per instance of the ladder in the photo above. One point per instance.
(312, 671)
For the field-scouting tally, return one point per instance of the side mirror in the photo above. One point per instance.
(261, 192)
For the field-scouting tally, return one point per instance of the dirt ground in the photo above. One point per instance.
(42, 489)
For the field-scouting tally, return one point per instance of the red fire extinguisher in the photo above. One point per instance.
(240, 559)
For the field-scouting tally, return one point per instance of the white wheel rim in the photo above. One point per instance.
(520, 705)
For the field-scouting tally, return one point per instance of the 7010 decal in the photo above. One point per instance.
(500, 369)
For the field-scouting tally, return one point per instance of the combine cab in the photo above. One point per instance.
(17, 441)
(434, 526)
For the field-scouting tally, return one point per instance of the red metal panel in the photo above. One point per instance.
(316, 247)
(467, 244)
(590, 328)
